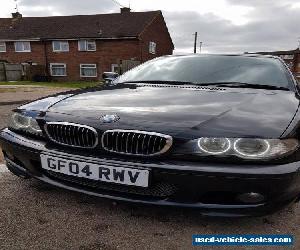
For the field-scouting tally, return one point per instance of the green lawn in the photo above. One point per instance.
(55, 84)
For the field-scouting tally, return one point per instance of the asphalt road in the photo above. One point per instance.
(36, 216)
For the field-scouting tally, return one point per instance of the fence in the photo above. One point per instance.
(125, 65)
(11, 72)
(18, 72)
(129, 64)
(2, 72)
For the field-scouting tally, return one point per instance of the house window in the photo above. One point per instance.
(60, 46)
(22, 47)
(88, 70)
(2, 47)
(87, 45)
(152, 47)
(58, 69)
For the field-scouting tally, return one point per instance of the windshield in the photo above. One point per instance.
(211, 69)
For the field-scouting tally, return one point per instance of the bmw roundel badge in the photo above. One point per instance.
(109, 118)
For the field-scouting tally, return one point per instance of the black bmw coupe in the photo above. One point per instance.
(219, 133)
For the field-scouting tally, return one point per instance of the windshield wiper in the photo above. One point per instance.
(164, 82)
(216, 84)
(244, 85)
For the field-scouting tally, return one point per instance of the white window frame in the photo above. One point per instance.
(86, 42)
(93, 67)
(3, 45)
(22, 51)
(60, 46)
(65, 67)
(152, 48)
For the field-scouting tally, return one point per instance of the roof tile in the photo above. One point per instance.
(82, 26)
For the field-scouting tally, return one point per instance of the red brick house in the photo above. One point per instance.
(291, 57)
(82, 47)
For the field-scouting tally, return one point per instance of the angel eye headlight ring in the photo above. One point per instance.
(201, 145)
(237, 148)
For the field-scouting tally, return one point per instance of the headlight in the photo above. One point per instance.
(246, 148)
(24, 123)
(214, 146)
(251, 147)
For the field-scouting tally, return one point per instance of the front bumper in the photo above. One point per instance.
(212, 188)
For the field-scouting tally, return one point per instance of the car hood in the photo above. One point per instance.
(186, 111)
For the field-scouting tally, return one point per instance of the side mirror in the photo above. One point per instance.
(108, 77)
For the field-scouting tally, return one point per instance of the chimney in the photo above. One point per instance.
(16, 15)
(125, 10)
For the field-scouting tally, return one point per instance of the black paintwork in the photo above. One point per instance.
(188, 112)
(180, 111)
(184, 112)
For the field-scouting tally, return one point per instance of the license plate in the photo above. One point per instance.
(120, 175)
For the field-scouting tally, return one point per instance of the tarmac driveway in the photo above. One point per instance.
(13, 96)
(36, 216)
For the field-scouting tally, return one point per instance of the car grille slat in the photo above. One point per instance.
(56, 132)
(113, 142)
(122, 141)
(134, 142)
(82, 136)
(137, 144)
(71, 134)
(126, 143)
(68, 136)
(59, 134)
(107, 140)
(143, 144)
(149, 143)
(154, 143)
(117, 141)
(65, 133)
(76, 139)
(85, 135)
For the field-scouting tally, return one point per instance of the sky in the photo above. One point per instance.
(223, 26)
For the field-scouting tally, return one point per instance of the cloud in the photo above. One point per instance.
(59, 7)
(270, 25)
(259, 3)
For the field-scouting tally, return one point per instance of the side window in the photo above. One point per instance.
(58, 69)
(22, 47)
(152, 47)
(60, 46)
(88, 70)
(2, 47)
(87, 45)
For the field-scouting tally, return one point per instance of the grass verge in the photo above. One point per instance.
(77, 85)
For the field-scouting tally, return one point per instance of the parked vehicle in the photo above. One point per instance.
(108, 77)
(213, 132)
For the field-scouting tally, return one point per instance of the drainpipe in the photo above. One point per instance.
(4, 70)
(46, 57)
(141, 49)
